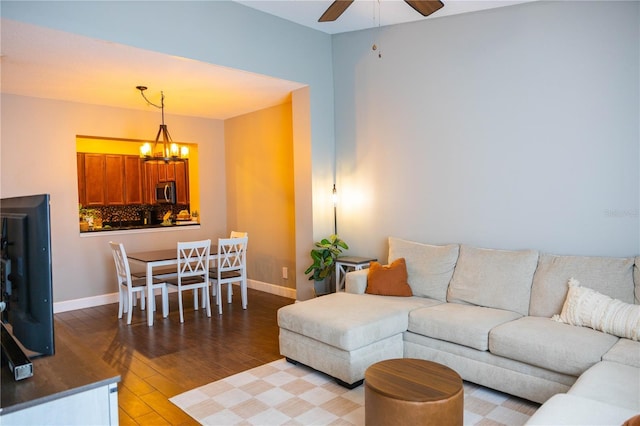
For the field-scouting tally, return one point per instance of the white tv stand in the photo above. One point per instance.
(73, 387)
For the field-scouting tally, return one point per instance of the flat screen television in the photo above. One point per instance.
(26, 276)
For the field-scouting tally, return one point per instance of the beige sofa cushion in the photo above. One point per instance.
(350, 321)
(624, 352)
(429, 267)
(356, 281)
(462, 324)
(606, 275)
(565, 409)
(610, 382)
(498, 279)
(549, 344)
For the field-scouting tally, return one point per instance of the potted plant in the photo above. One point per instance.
(324, 260)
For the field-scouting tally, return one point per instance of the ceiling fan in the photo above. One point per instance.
(423, 7)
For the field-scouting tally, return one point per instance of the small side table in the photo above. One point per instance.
(346, 264)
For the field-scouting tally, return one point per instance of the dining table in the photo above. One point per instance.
(154, 259)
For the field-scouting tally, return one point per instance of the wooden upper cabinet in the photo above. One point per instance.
(133, 180)
(117, 180)
(182, 182)
(82, 198)
(170, 171)
(114, 188)
(94, 175)
(150, 181)
(165, 171)
(162, 172)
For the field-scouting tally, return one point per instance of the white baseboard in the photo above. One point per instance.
(85, 302)
(105, 299)
(272, 288)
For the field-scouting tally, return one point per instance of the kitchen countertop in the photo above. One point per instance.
(129, 226)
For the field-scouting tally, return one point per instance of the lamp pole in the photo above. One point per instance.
(335, 215)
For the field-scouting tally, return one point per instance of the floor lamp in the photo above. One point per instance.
(335, 216)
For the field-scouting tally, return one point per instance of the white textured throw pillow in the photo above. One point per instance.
(588, 308)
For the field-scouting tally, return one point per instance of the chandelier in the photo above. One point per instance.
(164, 149)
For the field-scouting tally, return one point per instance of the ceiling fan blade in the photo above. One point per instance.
(425, 7)
(335, 10)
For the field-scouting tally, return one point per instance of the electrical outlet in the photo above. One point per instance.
(285, 272)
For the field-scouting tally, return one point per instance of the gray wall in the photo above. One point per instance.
(516, 127)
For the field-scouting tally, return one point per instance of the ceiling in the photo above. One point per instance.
(44, 63)
(364, 14)
(51, 64)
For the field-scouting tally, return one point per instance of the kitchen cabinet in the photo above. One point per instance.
(163, 172)
(166, 172)
(82, 199)
(114, 180)
(150, 179)
(133, 179)
(117, 180)
(100, 179)
(182, 182)
(94, 178)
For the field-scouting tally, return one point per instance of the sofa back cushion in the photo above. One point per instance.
(607, 275)
(498, 279)
(429, 268)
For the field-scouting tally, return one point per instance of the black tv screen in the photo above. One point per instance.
(26, 278)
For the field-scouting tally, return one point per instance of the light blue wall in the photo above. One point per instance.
(516, 127)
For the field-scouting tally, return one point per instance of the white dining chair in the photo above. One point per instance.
(238, 234)
(233, 234)
(231, 266)
(129, 288)
(193, 272)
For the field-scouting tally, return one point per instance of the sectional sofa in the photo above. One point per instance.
(508, 320)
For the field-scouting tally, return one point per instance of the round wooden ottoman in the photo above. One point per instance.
(409, 391)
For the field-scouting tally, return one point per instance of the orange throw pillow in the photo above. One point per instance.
(388, 280)
(633, 421)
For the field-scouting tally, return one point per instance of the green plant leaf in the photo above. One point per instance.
(324, 257)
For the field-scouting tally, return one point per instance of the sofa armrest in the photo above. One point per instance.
(356, 281)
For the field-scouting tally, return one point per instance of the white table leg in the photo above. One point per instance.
(340, 276)
(151, 301)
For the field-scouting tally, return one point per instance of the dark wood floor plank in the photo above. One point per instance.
(159, 362)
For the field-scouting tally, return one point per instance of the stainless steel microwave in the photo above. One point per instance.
(166, 192)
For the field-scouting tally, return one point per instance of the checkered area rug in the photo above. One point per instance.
(280, 393)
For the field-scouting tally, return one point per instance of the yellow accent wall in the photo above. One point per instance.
(260, 190)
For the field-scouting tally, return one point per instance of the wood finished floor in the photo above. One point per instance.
(156, 363)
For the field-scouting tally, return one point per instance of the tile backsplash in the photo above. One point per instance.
(132, 213)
